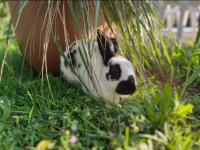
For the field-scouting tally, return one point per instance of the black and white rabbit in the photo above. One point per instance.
(100, 69)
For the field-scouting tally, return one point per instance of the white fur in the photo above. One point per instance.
(95, 82)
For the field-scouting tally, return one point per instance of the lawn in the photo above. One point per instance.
(41, 113)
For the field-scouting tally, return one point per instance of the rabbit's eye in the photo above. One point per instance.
(114, 72)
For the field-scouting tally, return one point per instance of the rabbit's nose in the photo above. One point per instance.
(126, 87)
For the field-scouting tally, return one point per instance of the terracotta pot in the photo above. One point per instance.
(32, 31)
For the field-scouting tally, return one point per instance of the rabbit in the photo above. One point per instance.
(100, 69)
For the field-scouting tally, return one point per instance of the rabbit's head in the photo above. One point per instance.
(119, 74)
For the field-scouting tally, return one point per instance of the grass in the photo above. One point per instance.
(165, 117)
(30, 115)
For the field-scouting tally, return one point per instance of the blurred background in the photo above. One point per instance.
(181, 18)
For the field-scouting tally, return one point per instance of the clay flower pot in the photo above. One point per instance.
(33, 25)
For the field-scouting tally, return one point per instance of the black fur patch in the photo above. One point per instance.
(65, 62)
(126, 87)
(114, 72)
(71, 57)
(79, 65)
(115, 44)
(104, 43)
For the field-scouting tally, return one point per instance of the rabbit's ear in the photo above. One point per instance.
(107, 47)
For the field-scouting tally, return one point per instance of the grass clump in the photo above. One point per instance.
(31, 117)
